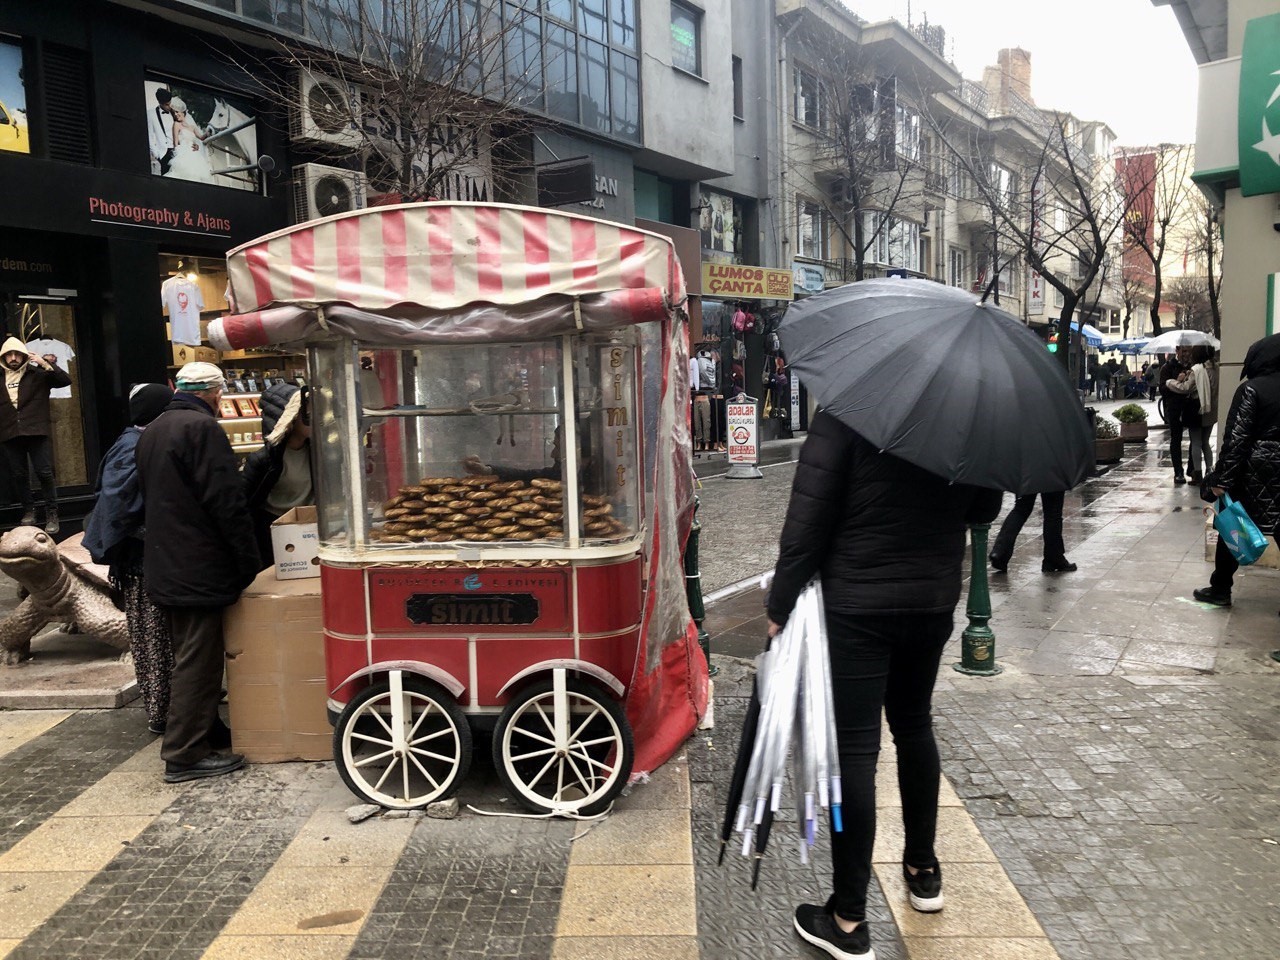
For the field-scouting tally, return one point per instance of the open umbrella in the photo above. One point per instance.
(929, 374)
(1171, 341)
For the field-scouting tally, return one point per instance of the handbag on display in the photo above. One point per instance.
(1241, 535)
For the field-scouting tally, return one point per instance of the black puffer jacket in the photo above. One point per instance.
(887, 536)
(200, 548)
(1249, 465)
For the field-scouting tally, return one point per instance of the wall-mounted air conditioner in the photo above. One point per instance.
(327, 111)
(322, 191)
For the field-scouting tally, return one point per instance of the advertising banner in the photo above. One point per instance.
(745, 283)
(743, 433)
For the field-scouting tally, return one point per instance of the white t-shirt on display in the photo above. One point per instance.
(694, 382)
(63, 353)
(182, 298)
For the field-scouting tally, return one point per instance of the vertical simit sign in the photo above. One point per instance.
(1260, 107)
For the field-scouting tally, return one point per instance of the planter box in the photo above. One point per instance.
(1134, 432)
(1108, 451)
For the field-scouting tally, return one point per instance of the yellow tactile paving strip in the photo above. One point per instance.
(629, 891)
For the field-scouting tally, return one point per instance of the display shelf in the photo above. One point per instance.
(246, 447)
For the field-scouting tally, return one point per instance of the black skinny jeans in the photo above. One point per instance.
(1051, 506)
(39, 451)
(889, 663)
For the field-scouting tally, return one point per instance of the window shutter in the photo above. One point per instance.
(67, 104)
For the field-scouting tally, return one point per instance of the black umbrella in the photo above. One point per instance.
(746, 744)
(929, 374)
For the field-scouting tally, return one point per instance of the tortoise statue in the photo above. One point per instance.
(63, 584)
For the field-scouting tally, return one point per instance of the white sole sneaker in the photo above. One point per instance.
(829, 947)
(926, 904)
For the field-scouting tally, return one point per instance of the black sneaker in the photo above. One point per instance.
(1210, 595)
(1179, 480)
(157, 727)
(998, 563)
(925, 888)
(817, 925)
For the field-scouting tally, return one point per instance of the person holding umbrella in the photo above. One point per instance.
(907, 448)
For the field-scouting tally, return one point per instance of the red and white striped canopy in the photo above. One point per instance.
(446, 255)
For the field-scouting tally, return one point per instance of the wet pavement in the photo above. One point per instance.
(1122, 767)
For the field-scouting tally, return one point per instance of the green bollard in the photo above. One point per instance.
(978, 643)
(693, 587)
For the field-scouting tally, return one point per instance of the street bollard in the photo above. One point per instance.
(693, 587)
(978, 643)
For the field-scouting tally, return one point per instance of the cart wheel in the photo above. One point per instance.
(402, 744)
(563, 746)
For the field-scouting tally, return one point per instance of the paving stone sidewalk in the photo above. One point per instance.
(1122, 767)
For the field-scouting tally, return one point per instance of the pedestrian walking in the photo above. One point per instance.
(1249, 463)
(25, 426)
(887, 539)
(200, 553)
(277, 477)
(1055, 551)
(113, 535)
(1198, 388)
(1173, 404)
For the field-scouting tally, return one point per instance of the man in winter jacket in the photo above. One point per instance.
(24, 426)
(200, 554)
(277, 478)
(1173, 404)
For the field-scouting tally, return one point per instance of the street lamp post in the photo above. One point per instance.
(978, 642)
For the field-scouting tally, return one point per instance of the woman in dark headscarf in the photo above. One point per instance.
(113, 534)
(1249, 464)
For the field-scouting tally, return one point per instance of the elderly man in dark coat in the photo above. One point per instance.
(200, 554)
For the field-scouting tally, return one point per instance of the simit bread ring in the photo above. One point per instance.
(437, 498)
(414, 504)
(421, 533)
(600, 526)
(526, 507)
(448, 525)
(490, 523)
(456, 505)
(597, 512)
(505, 515)
(503, 502)
(477, 511)
(591, 501)
(456, 488)
(437, 511)
(480, 481)
(537, 522)
(441, 537)
(551, 516)
(551, 486)
(393, 502)
(395, 512)
(506, 485)
(525, 493)
(504, 531)
(481, 495)
(523, 535)
(484, 537)
(412, 491)
(395, 538)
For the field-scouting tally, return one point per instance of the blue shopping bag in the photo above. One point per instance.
(1241, 535)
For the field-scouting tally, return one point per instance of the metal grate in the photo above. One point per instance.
(66, 99)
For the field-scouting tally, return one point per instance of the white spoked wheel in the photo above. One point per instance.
(402, 744)
(563, 746)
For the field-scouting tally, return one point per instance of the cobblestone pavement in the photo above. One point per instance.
(1122, 768)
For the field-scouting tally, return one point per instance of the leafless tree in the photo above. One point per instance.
(1189, 296)
(1133, 296)
(1058, 203)
(1208, 250)
(868, 159)
(1157, 183)
(422, 94)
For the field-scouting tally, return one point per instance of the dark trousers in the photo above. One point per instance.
(1224, 568)
(38, 452)
(1175, 435)
(889, 663)
(1051, 506)
(195, 686)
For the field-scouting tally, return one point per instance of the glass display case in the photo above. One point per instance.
(450, 450)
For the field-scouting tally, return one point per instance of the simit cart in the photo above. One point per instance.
(500, 448)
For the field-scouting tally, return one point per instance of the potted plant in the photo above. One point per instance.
(1108, 445)
(1133, 422)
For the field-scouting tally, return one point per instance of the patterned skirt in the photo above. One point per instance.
(151, 643)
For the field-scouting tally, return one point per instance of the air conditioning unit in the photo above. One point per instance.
(322, 191)
(327, 112)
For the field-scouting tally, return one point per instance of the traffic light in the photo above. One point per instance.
(1053, 343)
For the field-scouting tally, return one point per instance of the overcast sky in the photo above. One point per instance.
(1124, 62)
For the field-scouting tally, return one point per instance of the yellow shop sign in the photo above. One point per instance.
(735, 282)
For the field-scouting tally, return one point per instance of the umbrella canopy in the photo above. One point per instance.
(1132, 346)
(1092, 335)
(1171, 341)
(925, 372)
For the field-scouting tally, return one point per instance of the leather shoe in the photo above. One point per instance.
(1179, 480)
(998, 564)
(1210, 595)
(214, 765)
(1058, 566)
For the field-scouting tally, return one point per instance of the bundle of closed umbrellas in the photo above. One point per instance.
(790, 713)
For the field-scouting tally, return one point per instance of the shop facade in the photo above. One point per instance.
(118, 216)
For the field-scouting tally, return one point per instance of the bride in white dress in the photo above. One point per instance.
(190, 160)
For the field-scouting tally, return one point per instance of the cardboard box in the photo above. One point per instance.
(184, 354)
(295, 542)
(276, 688)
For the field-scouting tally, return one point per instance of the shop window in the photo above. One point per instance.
(739, 102)
(14, 133)
(686, 38)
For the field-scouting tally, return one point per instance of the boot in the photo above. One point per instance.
(51, 525)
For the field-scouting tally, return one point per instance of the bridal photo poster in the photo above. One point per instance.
(13, 100)
(201, 134)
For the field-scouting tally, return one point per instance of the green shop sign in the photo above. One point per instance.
(1260, 107)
